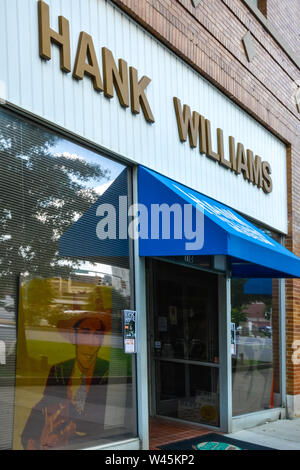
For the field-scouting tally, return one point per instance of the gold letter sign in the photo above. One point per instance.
(130, 90)
(255, 171)
(48, 35)
(86, 63)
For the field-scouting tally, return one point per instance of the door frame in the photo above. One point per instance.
(224, 328)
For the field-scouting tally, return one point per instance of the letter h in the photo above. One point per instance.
(48, 35)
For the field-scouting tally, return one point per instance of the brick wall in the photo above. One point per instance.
(285, 16)
(275, 336)
(209, 38)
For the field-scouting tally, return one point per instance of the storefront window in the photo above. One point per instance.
(255, 345)
(65, 380)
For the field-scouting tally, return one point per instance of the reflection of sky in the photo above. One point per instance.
(88, 269)
(114, 168)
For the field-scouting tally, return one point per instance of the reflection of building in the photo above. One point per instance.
(256, 315)
(72, 293)
(121, 280)
(74, 286)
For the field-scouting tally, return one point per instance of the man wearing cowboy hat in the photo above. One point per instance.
(73, 404)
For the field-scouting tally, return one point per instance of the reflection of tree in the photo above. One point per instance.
(41, 300)
(238, 315)
(36, 298)
(41, 196)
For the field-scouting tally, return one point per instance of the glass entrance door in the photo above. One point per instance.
(184, 343)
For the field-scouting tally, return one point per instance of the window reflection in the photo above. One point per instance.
(48, 186)
(255, 345)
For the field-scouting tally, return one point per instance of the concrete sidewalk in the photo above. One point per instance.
(283, 435)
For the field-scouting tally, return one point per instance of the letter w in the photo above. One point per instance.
(187, 125)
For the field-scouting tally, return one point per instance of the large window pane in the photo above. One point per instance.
(255, 345)
(55, 269)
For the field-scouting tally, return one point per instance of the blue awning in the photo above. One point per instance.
(81, 240)
(258, 287)
(251, 252)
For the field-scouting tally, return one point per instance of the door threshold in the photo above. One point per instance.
(190, 423)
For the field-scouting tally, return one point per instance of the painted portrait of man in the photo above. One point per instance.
(72, 407)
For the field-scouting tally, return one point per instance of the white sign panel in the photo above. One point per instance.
(129, 331)
(42, 88)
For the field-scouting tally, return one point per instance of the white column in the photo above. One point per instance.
(225, 353)
(142, 359)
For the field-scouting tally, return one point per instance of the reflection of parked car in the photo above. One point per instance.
(266, 330)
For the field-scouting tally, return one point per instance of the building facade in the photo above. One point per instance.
(109, 104)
